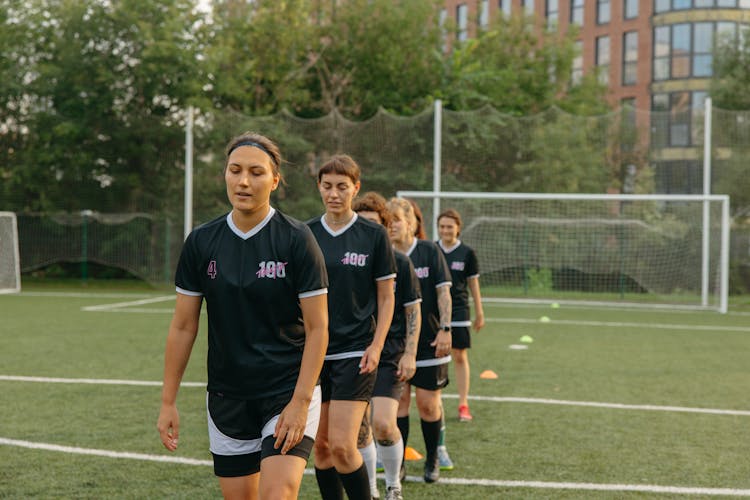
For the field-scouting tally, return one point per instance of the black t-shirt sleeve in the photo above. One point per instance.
(385, 262)
(186, 276)
(472, 263)
(311, 272)
(442, 271)
(410, 284)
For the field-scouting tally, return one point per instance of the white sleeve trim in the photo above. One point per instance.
(188, 292)
(313, 293)
(444, 283)
(386, 277)
(413, 302)
(473, 276)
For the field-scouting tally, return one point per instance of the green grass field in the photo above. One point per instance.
(604, 403)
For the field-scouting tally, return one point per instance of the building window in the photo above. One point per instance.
(528, 7)
(686, 50)
(553, 8)
(504, 6)
(630, 58)
(681, 43)
(576, 73)
(661, 53)
(603, 12)
(677, 119)
(630, 9)
(576, 12)
(462, 22)
(484, 14)
(670, 5)
(602, 59)
(703, 36)
(661, 6)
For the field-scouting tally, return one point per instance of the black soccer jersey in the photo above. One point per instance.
(406, 291)
(433, 272)
(356, 256)
(462, 261)
(252, 283)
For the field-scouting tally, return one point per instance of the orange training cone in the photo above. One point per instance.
(488, 374)
(412, 454)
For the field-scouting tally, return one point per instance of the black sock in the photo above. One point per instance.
(329, 484)
(357, 484)
(431, 433)
(403, 425)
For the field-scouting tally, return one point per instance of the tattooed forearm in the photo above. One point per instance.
(413, 324)
(445, 304)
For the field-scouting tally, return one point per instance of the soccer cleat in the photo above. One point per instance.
(393, 493)
(444, 460)
(463, 414)
(431, 470)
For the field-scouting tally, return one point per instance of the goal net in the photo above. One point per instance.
(10, 265)
(647, 250)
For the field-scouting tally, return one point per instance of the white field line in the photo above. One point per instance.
(85, 295)
(646, 488)
(94, 381)
(514, 304)
(623, 324)
(120, 305)
(493, 399)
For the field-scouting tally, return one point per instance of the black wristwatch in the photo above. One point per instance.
(446, 328)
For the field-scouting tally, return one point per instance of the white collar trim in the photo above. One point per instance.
(340, 231)
(254, 230)
(449, 250)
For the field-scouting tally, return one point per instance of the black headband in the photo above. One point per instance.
(252, 144)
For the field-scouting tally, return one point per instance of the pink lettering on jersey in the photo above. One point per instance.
(271, 269)
(211, 271)
(457, 266)
(422, 272)
(354, 259)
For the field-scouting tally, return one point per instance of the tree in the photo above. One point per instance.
(729, 91)
(106, 90)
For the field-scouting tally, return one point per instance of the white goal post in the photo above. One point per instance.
(10, 262)
(645, 250)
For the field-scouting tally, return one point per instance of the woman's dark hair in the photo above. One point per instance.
(258, 141)
(372, 202)
(341, 165)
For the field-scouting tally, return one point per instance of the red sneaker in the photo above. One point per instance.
(463, 414)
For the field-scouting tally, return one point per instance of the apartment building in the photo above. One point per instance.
(654, 55)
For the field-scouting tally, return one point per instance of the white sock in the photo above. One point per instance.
(369, 455)
(392, 456)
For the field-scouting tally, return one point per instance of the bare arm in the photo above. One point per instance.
(443, 339)
(386, 302)
(180, 340)
(290, 428)
(407, 365)
(477, 296)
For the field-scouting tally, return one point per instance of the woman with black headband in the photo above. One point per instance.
(264, 281)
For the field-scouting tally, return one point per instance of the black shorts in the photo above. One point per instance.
(430, 378)
(340, 380)
(387, 383)
(240, 431)
(460, 337)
